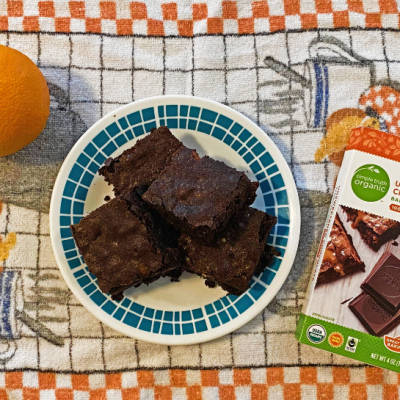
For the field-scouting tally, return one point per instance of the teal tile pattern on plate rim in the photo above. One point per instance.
(136, 124)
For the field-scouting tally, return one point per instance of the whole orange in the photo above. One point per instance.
(24, 101)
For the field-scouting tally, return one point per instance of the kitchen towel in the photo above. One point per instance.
(303, 70)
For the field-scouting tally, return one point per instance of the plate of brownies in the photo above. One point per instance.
(175, 220)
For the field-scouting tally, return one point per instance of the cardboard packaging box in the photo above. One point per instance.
(352, 305)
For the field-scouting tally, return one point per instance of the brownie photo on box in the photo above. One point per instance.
(199, 196)
(340, 257)
(374, 230)
(125, 245)
(236, 255)
(143, 162)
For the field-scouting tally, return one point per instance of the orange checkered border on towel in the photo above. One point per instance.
(136, 18)
(292, 383)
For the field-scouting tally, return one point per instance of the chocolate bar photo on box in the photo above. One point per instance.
(383, 283)
(340, 258)
(378, 307)
(373, 229)
(375, 318)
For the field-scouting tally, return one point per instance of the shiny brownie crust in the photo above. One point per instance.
(199, 196)
(232, 259)
(142, 163)
(122, 245)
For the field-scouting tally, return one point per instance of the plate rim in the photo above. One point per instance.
(224, 329)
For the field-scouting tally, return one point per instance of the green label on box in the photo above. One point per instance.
(348, 342)
(370, 182)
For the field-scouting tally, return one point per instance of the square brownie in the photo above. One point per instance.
(232, 259)
(143, 162)
(124, 244)
(340, 257)
(374, 230)
(199, 196)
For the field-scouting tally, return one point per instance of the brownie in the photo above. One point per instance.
(143, 162)
(232, 259)
(124, 244)
(199, 196)
(374, 230)
(340, 257)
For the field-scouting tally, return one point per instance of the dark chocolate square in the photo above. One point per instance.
(375, 319)
(383, 283)
(232, 259)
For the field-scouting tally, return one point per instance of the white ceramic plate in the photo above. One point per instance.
(186, 312)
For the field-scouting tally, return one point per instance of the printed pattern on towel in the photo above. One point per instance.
(158, 18)
(95, 75)
(86, 344)
(327, 383)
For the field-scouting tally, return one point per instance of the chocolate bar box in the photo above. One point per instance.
(352, 306)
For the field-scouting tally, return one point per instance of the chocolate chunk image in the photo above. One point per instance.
(383, 283)
(375, 319)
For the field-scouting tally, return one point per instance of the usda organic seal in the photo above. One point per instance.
(316, 333)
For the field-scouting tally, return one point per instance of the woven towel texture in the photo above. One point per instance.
(256, 57)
